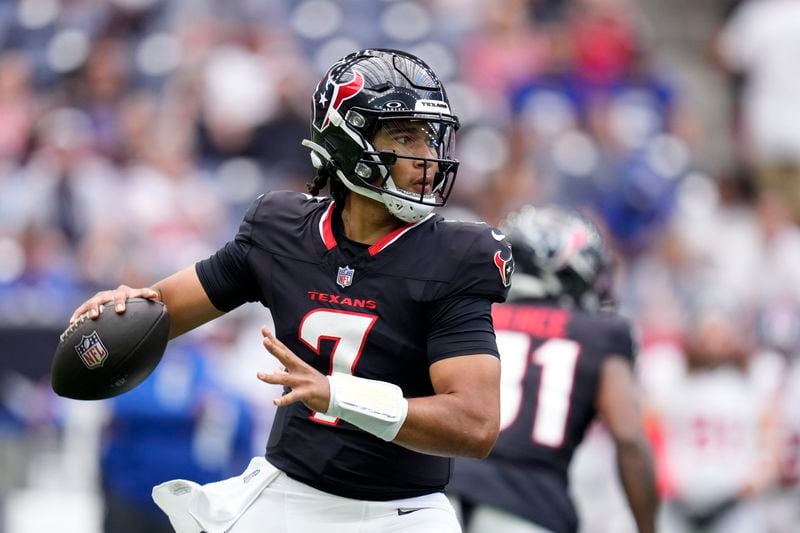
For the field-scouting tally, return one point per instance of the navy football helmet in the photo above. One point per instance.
(376, 89)
(560, 255)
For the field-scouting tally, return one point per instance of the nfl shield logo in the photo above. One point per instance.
(345, 276)
(91, 350)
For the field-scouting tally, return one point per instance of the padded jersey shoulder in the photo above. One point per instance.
(612, 333)
(474, 258)
(278, 220)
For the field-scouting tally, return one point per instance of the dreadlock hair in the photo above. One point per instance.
(317, 184)
(324, 177)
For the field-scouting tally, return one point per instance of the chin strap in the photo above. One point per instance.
(320, 157)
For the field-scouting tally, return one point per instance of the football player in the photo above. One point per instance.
(566, 360)
(714, 402)
(382, 313)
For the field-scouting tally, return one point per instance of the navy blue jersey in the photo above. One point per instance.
(382, 312)
(552, 361)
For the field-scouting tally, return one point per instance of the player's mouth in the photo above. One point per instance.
(419, 187)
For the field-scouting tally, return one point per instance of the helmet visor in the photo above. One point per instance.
(419, 154)
(431, 139)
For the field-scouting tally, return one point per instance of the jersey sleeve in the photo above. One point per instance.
(486, 267)
(226, 275)
(621, 340)
(461, 326)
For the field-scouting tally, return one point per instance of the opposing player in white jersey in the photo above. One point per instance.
(713, 412)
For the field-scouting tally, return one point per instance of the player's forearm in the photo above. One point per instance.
(186, 301)
(449, 425)
(638, 479)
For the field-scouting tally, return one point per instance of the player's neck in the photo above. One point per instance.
(365, 220)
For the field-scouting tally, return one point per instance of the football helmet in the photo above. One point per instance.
(559, 255)
(397, 94)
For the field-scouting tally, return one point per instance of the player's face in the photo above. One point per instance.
(716, 339)
(410, 138)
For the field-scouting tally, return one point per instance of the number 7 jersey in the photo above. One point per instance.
(552, 360)
(384, 312)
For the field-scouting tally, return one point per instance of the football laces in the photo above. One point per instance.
(72, 327)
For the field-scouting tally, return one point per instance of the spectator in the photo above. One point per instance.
(182, 421)
(712, 423)
(760, 42)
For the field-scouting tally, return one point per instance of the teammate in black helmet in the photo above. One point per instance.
(566, 361)
(382, 314)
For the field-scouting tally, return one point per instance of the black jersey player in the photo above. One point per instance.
(382, 314)
(564, 362)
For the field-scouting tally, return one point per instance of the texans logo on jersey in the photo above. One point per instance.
(505, 266)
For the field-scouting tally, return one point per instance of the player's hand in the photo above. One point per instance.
(118, 296)
(306, 383)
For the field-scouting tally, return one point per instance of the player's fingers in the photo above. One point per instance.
(147, 292)
(283, 354)
(277, 342)
(286, 399)
(91, 306)
(77, 313)
(278, 377)
(268, 334)
(122, 293)
(277, 352)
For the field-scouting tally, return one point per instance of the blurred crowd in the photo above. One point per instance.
(134, 133)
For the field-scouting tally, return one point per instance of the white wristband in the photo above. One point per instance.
(377, 407)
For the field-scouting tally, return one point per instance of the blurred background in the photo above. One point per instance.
(134, 133)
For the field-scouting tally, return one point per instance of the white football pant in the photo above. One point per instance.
(263, 499)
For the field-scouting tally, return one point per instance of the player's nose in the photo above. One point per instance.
(424, 160)
(422, 149)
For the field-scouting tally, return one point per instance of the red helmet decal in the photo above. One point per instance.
(577, 240)
(342, 92)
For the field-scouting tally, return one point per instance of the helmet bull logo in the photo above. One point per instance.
(505, 266)
(341, 92)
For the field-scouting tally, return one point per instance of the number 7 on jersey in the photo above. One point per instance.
(348, 331)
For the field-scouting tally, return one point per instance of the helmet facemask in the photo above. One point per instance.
(409, 163)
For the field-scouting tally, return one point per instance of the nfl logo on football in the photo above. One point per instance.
(345, 276)
(91, 350)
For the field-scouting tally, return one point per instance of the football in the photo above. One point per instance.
(112, 354)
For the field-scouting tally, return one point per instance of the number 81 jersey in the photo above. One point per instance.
(384, 312)
(552, 360)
